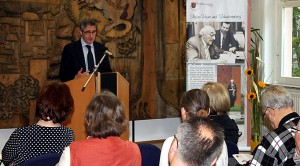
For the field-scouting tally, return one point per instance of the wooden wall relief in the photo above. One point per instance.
(146, 38)
(15, 100)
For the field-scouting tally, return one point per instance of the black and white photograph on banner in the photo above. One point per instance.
(215, 42)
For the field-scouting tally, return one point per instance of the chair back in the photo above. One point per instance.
(150, 154)
(48, 159)
(232, 148)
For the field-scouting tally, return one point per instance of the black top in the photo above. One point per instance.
(31, 141)
(231, 130)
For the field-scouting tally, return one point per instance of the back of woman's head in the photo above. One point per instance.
(105, 116)
(218, 96)
(196, 103)
(54, 102)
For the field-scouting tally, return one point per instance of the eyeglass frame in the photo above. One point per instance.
(89, 32)
(296, 130)
(265, 112)
(176, 141)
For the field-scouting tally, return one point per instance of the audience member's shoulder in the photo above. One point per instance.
(68, 130)
(167, 143)
(133, 147)
(25, 129)
(169, 139)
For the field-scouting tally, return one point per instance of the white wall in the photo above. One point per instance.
(4, 135)
(264, 17)
(146, 130)
(160, 129)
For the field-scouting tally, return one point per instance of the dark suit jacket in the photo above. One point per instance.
(228, 42)
(73, 59)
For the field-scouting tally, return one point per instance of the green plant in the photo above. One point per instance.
(255, 74)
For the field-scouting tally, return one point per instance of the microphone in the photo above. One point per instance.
(109, 54)
(106, 53)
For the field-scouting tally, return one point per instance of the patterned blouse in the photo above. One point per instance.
(31, 141)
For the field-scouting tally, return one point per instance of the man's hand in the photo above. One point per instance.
(232, 49)
(80, 74)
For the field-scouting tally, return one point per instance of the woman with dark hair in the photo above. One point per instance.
(54, 105)
(105, 121)
(194, 104)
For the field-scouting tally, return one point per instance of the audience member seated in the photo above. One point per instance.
(219, 106)
(54, 104)
(150, 154)
(232, 148)
(297, 142)
(194, 104)
(198, 142)
(105, 121)
(278, 146)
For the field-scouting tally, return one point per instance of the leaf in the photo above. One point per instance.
(256, 90)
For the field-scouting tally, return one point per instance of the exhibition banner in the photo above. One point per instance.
(216, 44)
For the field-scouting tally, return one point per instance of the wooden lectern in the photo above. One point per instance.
(113, 82)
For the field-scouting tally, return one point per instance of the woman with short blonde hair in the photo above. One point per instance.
(219, 107)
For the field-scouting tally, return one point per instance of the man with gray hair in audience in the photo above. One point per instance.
(278, 146)
(198, 142)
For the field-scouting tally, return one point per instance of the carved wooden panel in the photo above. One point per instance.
(146, 37)
(15, 96)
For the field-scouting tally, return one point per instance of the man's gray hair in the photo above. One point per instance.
(87, 21)
(276, 97)
(206, 29)
(200, 141)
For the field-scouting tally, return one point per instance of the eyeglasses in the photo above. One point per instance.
(176, 141)
(293, 128)
(89, 32)
(264, 113)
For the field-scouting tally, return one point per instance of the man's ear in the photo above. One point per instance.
(173, 146)
(183, 114)
(272, 113)
(172, 151)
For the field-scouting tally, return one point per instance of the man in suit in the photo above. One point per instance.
(80, 57)
(201, 46)
(225, 40)
(232, 92)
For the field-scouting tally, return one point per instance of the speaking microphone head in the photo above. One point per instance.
(110, 55)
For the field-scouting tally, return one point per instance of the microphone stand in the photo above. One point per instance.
(94, 72)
